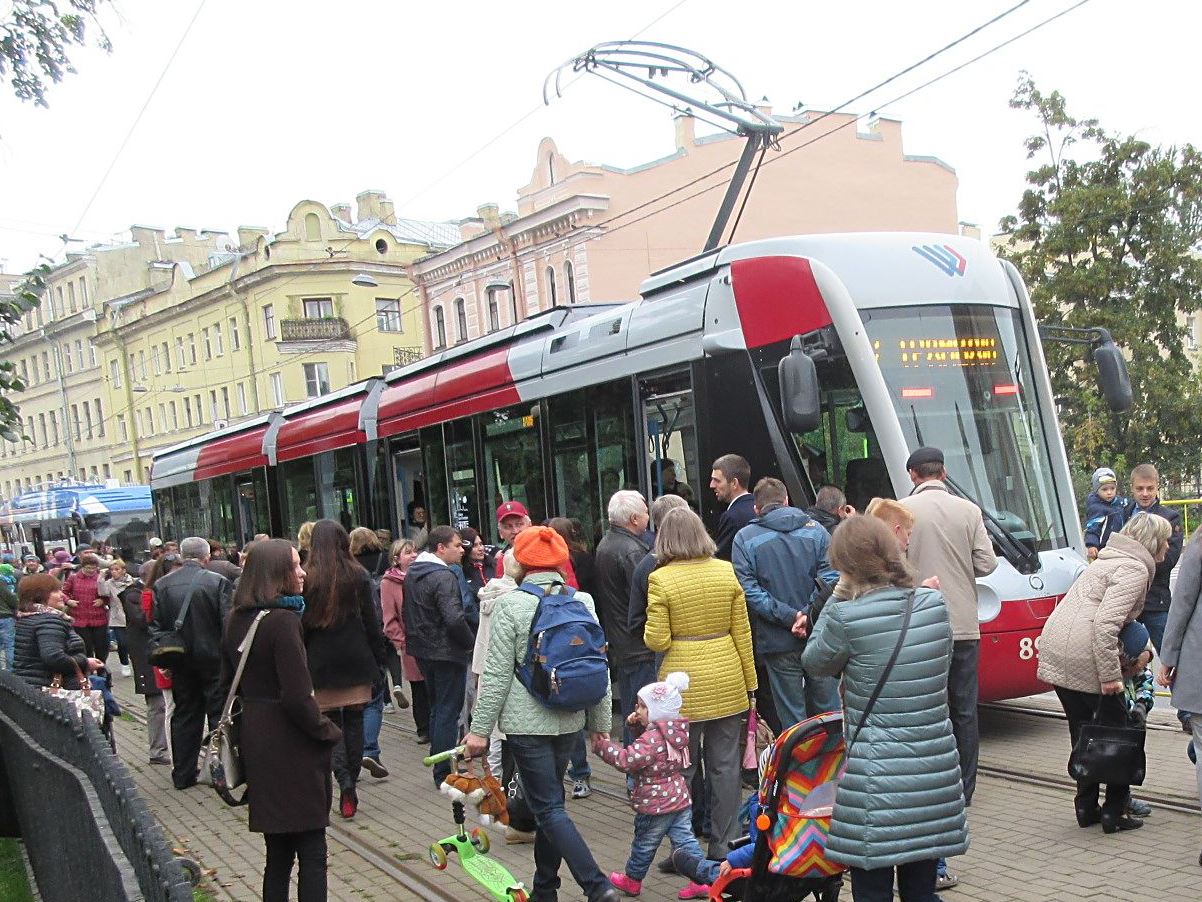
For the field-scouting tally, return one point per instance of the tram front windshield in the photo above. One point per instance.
(960, 377)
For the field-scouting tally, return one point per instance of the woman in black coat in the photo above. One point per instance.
(344, 639)
(137, 635)
(46, 647)
(285, 739)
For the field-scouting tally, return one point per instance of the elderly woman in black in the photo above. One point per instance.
(285, 739)
(46, 645)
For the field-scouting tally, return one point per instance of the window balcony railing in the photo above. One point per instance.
(332, 329)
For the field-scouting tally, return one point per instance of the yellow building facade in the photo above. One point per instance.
(261, 323)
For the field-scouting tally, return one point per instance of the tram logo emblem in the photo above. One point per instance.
(944, 256)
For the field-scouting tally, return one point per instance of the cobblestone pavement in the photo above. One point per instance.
(1025, 843)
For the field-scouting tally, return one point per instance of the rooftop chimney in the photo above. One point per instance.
(341, 211)
(369, 204)
(686, 130)
(490, 214)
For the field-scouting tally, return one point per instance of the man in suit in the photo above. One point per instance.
(729, 479)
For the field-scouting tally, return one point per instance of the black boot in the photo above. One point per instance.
(1113, 823)
(1088, 815)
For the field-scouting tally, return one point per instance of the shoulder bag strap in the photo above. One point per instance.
(243, 654)
(183, 611)
(876, 693)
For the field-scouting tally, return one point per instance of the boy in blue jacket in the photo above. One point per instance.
(1103, 511)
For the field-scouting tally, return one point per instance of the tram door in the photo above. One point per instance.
(409, 489)
(670, 435)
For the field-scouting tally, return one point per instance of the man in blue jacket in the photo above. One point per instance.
(1145, 490)
(776, 558)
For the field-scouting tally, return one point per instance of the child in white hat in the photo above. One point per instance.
(655, 758)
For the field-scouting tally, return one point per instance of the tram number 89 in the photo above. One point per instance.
(1028, 648)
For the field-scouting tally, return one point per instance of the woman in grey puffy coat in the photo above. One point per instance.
(887, 816)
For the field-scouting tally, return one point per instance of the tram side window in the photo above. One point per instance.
(222, 510)
(671, 435)
(252, 505)
(299, 491)
(593, 446)
(339, 495)
(165, 504)
(461, 470)
(513, 461)
(435, 468)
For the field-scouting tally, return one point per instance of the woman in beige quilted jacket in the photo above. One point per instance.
(1079, 648)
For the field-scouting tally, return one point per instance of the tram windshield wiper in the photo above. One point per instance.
(1024, 558)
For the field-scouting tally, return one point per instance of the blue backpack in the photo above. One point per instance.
(565, 666)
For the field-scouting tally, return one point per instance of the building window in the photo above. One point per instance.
(115, 373)
(92, 353)
(220, 340)
(24, 371)
(242, 409)
(75, 422)
(269, 321)
(225, 400)
(388, 314)
(192, 347)
(58, 309)
(214, 411)
(174, 416)
(207, 343)
(494, 310)
(71, 296)
(99, 419)
(200, 413)
(551, 296)
(163, 415)
(69, 366)
(318, 308)
(46, 365)
(461, 318)
(317, 380)
(149, 421)
(312, 227)
(235, 341)
(42, 427)
(180, 359)
(187, 413)
(440, 329)
(54, 426)
(83, 291)
(87, 417)
(122, 429)
(166, 357)
(79, 361)
(569, 280)
(277, 390)
(105, 468)
(155, 361)
(128, 476)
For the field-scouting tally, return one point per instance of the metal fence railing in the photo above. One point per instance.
(87, 831)
(1191, 513)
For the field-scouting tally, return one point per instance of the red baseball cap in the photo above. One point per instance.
(511, 509)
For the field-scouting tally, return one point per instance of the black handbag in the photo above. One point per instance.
(169, 648)
(1107, 753)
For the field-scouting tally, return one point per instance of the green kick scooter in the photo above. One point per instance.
(472, 849)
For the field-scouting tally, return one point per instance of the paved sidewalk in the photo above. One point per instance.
(1025, 843)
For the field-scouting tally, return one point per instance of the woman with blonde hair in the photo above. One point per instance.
(304, 539)
(367, 550)
(697, 613)
(887, 815)
(1079, 649)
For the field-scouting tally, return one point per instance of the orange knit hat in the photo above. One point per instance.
(540, 548)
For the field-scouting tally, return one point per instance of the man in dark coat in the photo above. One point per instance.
(195, 683)
(136, 635)
(438, 636)
(830, 508)
(618, 554)
(1145, 489)
(729, 480)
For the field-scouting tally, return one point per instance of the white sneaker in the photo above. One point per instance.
(126, 670)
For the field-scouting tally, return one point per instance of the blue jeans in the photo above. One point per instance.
(541, 762)
(373, 718)
(797, 694)
(649, 832)
(632, 676)
(578, 767)
(8, 636)
(1155, 622)
(446, 683)
(915, 883)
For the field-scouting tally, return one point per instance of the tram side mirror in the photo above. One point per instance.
(800, 404)
(1112, 373)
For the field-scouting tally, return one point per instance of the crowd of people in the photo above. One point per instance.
(790, 611)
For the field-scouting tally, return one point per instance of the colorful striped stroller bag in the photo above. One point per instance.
(796, 798)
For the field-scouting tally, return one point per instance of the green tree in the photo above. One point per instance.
(26, 295)
(1107, 234)
(35, 37)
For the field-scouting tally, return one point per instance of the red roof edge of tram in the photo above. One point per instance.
(319, 429)
(761, 284)
(231, 454)
(474, 385)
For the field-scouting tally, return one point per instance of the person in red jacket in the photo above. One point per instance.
(89, 609)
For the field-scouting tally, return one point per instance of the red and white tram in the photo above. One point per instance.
(917, 339)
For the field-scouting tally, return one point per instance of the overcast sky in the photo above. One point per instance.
(273, 101)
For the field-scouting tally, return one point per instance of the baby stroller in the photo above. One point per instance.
(796, 796)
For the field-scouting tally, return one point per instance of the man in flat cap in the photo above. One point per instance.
(949, 541)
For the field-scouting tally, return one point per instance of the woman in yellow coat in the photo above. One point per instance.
(696, 613)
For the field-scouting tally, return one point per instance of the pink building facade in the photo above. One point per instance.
(589, 233)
